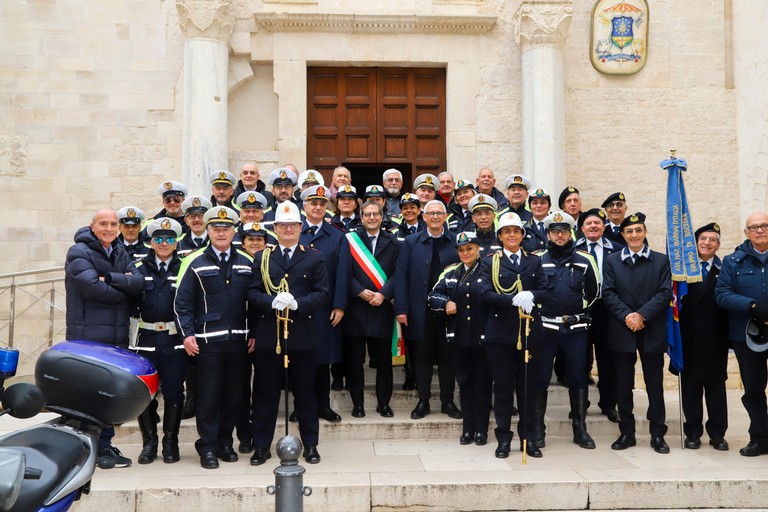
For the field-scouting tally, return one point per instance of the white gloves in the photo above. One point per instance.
(524, 300)
(284, 300)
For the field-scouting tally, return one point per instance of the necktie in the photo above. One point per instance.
(635, 258)
(372, 240)
(592, 249)
(346, 222)
(412, 229)
(542, 231)
(513, 259)
(434, 266)
(287, 255)
(162, 269)
(198, 241)
(313, 231)
(704, 269)
(616, 231)
(223, 265)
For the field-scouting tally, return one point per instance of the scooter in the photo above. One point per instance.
(49, 466)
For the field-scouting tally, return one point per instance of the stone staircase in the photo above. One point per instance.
(398, 464)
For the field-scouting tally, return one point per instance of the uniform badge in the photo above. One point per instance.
(518, 179)
(286, 209)
(347, 188)
(251, 198)
(283, 174)
(311, 176)
(539, 192)
(601, 214)
(406, 197)
(481, 198)
(223, 176)
(195, 201)
(256, 226)
(168, 185)
(558, 217)
(716, 227)
(375, 189)
(428, 180)
(320, 191)
(222, 213)
(131, 213)
(621, 196)
(571, 189)
(634, 218)
(166, 224)
(463, 238)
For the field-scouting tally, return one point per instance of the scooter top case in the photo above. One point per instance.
(95, 382)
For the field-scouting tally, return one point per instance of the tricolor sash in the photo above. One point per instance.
(363, 257)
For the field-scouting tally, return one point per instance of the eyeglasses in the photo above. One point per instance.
(194, 216)
(485, 212)
(616, 204)
(434, 214)
(757, 227)
(170, 240)
(173, 199)
(560, 232)
(371, 214)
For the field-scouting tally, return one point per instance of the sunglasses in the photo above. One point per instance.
(170, 240)
(173, 199)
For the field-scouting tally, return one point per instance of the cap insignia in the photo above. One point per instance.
(558, 217)
(256, 226)
(311, 176)
(634, 218)
(463, 237)
(347, 188)
(222, 213)
(539, 192)
(287, 209)
(222, 175)
(283, 175)
(251, 198)
(406, 196)
(571, 189)
(621, 196)
(196, 201)
(481, 199)
(131, 212)
(428, 180)
(320, 191)
(168, 185)
(716, 227)
(375, 189)
(601, 214)
(518, 179)
(166, 224)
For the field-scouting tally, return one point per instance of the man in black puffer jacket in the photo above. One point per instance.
(100, 280)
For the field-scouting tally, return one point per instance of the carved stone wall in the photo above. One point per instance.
(214, 19)
(542, 23)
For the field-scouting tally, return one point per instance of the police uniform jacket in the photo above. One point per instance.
(614, 237)
(742, 281)
(534, 239)
(187, 244)
(458, 220)
(335, 249)
(644, 287)
(521, 211)
(704, 329)
(503, 320)
(99, 310)
(463, 286)
(137, 251)
(362, 319)
(489, 242)
(355, 223)
(412, 277)
(155, 304)
(574, 281)
(393, 204)
(307, 280)
(402, 230)
(499, 197)
(206, 306)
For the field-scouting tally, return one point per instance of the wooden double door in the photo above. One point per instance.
(371, 119)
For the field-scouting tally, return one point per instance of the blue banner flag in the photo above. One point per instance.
(681, 250)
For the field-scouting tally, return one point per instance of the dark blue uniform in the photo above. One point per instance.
(501, 336)
(536, 237)
(210, 305)
(466, 330)
(353, 223)
(402, 230)
(189, 244)
(422, 258)
(459, 219)
(307, 281)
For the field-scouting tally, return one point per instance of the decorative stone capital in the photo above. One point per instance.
(206, 18)
(542, 23)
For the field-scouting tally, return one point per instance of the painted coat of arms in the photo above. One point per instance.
(619, 42)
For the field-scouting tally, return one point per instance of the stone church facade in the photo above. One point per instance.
(103, 100)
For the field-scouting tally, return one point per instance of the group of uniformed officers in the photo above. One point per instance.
(495, 288)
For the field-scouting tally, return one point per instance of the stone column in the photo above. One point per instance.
(541, 28)
(207, 25)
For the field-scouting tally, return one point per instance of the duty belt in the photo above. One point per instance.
(566, 319)
(169, 327)
(152, 349)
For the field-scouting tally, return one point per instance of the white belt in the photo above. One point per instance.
(169, 327)
(152, 349)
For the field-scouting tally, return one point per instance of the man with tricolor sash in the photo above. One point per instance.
(370, 319)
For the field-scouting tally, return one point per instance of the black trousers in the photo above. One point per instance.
(598, 336)
(653, 368)
(434, 347)
(267, 383)
(509, 372)
(220, 376)
(693, 391)
(570, 349)
(355, 358)
(473, 373)
(754, 375)
(244, 427)
(323, 386)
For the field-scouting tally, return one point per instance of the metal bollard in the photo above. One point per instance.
(289, 490)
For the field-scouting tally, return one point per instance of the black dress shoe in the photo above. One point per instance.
(659, 445)
(612, 415)
(292, 418)
(624, 441)
(226, 454)
(451, 410)
(753, 449)
(245, 446)
(385, 410)
(329, 415)
(209, 461)
(481, 439)
(466, 438)
(358, 411)
(531, 449)
(260, 456)
(421, 410)
(719, 444)
(311, 455)
(337, 385)
(692, 442)
(502, 451)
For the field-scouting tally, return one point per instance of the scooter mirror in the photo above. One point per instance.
(23, 400)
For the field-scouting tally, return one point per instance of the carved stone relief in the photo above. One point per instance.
(206, 18)
(543, 23)
(13, 155)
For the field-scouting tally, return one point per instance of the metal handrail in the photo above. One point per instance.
(20, 286)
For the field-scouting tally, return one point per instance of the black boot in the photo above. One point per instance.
(148, 428)
(539, 431)
(191, 393)
(579, 412)
(171, 422)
